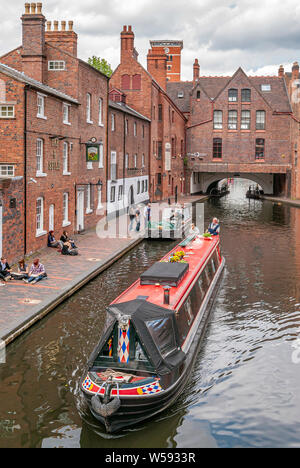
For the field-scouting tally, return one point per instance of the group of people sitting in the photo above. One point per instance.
(29, 275)
(65, 245)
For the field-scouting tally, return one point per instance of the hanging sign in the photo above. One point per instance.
(92, 152)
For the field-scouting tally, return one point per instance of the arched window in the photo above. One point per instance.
(260, 120)
(125, 82)
(136, 82)
(246, 95)
(217, 148)
(232, 95)
(218, 119)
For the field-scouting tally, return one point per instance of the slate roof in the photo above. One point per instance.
(277, 98)
(19, 76)
(124, 108)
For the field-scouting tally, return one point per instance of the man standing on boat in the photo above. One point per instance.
(214, 227)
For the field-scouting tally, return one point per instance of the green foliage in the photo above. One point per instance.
(101, 65)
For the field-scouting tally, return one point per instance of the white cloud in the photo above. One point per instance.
(225, 34)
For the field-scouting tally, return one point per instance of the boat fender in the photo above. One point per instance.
(105, 409)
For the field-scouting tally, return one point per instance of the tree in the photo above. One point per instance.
(101, 65)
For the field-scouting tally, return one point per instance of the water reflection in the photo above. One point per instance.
(244, 390)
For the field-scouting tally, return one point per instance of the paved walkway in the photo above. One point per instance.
(23, 304)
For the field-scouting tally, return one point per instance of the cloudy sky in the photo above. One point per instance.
(257, 35)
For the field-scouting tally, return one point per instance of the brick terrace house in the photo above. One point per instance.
(146, 92)
(53, 134)
(237, 126)
(128, 159)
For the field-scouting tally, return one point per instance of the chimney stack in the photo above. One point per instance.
(196, 71)
(127, 43)
(64, 39)
(33, 41)
(295, 71)
(281, 71)
(157, 66)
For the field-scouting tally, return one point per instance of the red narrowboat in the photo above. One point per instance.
(152, 336)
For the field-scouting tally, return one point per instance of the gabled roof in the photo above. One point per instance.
(277, 98)
(19, 76)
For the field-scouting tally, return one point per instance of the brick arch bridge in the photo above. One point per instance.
(265, 181)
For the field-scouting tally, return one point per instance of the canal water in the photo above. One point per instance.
(245, 386)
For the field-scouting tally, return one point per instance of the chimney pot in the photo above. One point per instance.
(129, 28)
(63, 25)
(125, 28)
(39, 8)
(55, 25)
(70, 25)
(27, 8)
(49, 25)
(33, 8)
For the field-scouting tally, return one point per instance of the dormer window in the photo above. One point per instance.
(232, 95)
(198, 94)
(265, 87)
(180, 94)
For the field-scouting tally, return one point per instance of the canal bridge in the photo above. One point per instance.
(273, 179)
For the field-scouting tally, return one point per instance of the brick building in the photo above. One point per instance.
(237, 126)
(53, 134)
(128, 159)
(146, 92)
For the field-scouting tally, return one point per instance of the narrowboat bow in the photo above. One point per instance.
(152, 336)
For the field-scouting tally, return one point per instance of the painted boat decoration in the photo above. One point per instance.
(152, 336)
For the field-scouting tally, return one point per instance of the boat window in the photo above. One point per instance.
(207, 275)
(108, 355)
(202, 286)
(162, 332)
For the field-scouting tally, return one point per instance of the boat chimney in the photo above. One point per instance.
(167, 294)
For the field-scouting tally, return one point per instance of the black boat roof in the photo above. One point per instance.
(155, 327)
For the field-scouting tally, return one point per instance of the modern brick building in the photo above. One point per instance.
(53, 134)
(128, 159)
(146, 92)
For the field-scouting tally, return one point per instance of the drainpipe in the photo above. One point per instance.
(25, 169)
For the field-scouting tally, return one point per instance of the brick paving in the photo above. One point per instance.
(23, 304)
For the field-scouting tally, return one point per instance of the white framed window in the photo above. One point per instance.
(113, 123)
(101, 159)
(56, 65)
(265, 87)
(89, 108)
(135, 161)
(66, 114)
(41, 106)
(7, 170)
(143, 160)
(113, 165)
(40, 158)
(100, 103)
(66, 159)
(66, 221)
(134, 129)
(126, 127)
(112, 194)
(40, 217)
(126, 160)
(7, 112)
